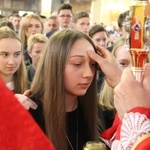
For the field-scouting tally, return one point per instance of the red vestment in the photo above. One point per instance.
(18, 130)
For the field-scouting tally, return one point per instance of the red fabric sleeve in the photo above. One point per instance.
(141, 110)
(18, 130)
(108, 134)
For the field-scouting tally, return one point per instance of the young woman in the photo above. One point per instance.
(12, 68)
(64, 88)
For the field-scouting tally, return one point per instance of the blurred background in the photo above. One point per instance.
(101, 11)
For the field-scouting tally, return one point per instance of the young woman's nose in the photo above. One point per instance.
(33, 28)
(88, 71)
(11, 60)
(40, 55)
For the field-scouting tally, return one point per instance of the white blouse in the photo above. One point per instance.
(10, 85)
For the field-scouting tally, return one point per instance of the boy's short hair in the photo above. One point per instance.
(36, 38)
(122, 18)
(80, 14)
(65, 6)
(16, 15)
(97, 28)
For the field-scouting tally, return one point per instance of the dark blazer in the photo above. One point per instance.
(30, 72)
(49, 34)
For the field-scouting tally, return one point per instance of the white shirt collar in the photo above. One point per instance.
(10, 85)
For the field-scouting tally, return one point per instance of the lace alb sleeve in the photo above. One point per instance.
(134, 126)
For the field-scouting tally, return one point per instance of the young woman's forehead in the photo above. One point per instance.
(81, 46)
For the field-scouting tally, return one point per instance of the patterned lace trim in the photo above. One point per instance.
(134, 126)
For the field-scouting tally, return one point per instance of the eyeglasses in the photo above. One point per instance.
(67, 16)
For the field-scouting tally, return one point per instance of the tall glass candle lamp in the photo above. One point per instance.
(137, 25)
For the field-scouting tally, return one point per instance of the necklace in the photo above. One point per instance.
(76, 134)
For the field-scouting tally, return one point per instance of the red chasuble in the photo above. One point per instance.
(18, 130)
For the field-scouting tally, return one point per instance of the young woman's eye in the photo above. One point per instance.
(17, 54)
(77, 64)
(93, 64)
(123, 64)
(37, 52)
(5, 54)
(29, 26)
(37, 26)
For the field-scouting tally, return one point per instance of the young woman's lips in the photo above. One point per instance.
(10, 68)
(84, 85)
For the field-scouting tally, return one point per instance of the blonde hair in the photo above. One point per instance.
(20, 76)
(24, 27)
(36, 38)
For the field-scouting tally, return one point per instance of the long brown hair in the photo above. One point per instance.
(48, 86)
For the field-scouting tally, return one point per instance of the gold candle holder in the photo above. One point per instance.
(138, 40)
(139, 58)
(91, 145)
